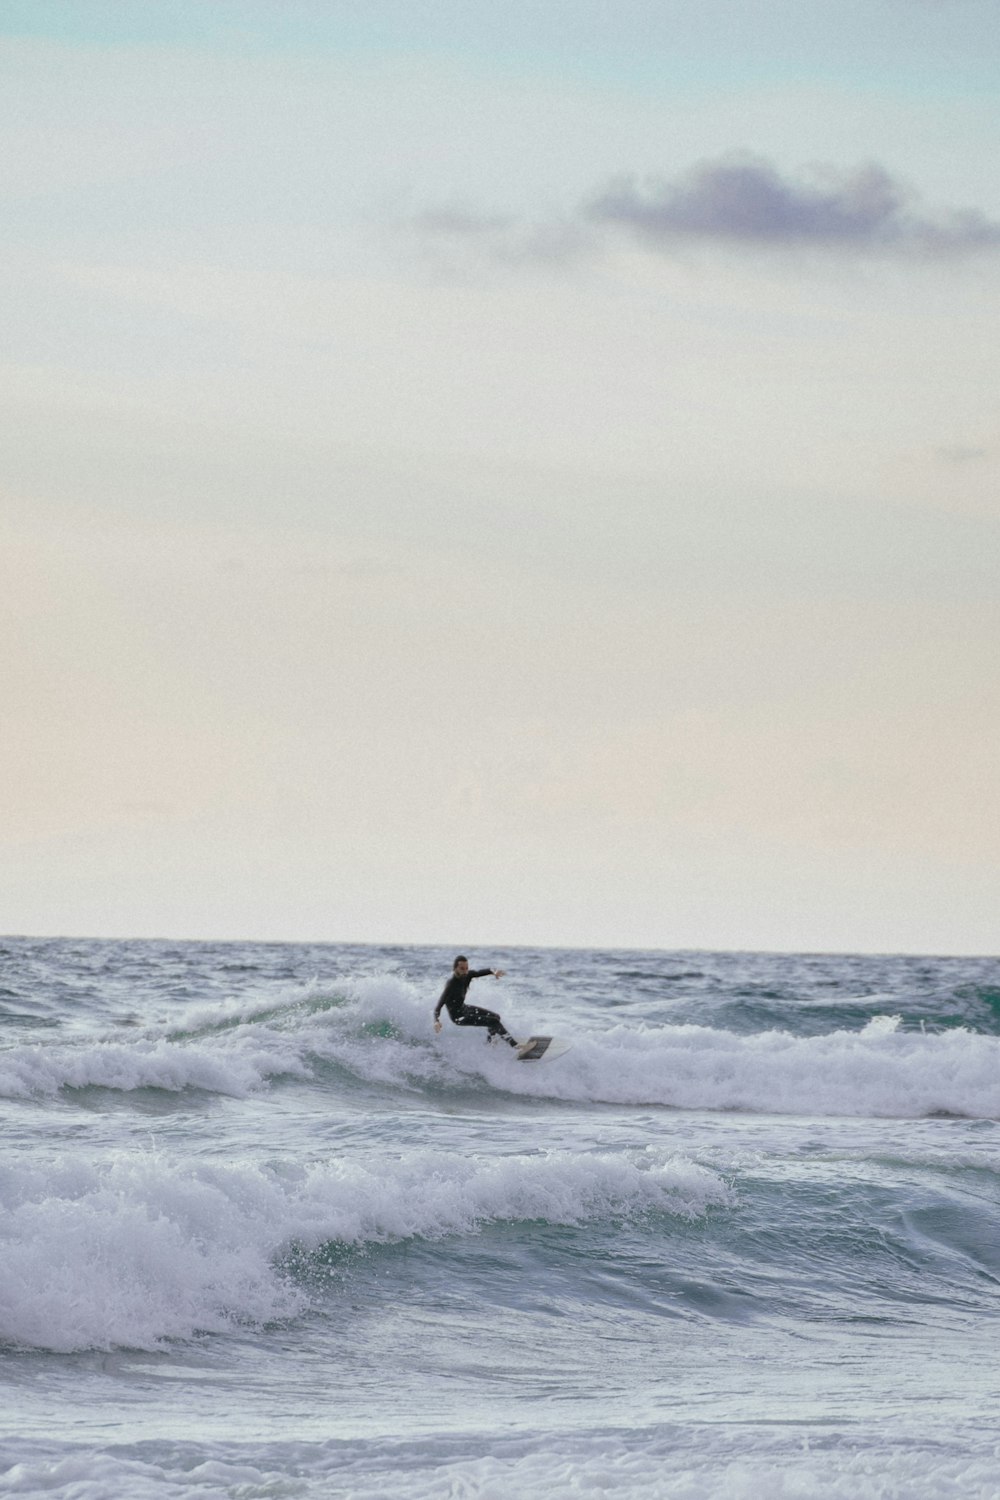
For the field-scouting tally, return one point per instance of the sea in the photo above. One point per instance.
(263, 1233)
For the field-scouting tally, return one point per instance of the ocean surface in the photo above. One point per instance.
(263, 1234)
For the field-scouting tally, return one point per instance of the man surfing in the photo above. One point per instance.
(453, 1000)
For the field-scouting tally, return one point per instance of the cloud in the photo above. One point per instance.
(462, 222)
(744, 200)
(741, 202)
(503, 237)
(961, 453)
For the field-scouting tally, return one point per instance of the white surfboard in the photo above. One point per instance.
(537, 1048)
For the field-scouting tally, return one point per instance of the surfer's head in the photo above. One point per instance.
(461, 964)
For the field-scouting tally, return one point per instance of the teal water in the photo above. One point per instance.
(264, 1233)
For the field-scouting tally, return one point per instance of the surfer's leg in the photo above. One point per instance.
(477, 1015)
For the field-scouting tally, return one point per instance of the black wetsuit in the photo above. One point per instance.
(453, 1001)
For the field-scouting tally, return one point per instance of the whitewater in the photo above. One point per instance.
(263, 1233)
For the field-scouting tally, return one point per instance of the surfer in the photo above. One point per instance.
(453, 1001)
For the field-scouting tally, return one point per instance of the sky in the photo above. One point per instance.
(501, 475)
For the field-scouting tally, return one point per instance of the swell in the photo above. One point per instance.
(840, 1251)
(137, 1250)
(847, 1246)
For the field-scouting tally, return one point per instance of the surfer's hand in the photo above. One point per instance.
(499, 973)
(437, 1025)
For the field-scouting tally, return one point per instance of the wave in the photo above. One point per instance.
(879, 1071)
(643, 1461)
(232, 1048)
(376, 1032)
(138, 1251)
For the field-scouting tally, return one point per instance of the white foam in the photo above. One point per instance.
(132, 1253)
(380, 1030)
(229, 1049)
(137, 1250)
(876, 1072)
(221, 1069)
(675, 1463)
(879, 1071)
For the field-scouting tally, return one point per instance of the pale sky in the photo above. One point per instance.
(520, 474)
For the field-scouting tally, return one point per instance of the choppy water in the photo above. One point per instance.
(262, 1233)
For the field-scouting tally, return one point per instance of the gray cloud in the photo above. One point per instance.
(746, 201)
(743, 202)
(959, 453)
(462, 222)
(503, 238)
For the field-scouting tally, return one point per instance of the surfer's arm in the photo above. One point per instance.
(442, 1002)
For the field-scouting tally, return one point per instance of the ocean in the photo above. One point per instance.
(264, 1234)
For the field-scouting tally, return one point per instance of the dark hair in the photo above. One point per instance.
(461, 959)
